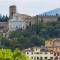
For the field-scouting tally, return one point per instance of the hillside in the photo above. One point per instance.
(52, 12)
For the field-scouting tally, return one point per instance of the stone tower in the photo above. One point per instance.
(12, 11)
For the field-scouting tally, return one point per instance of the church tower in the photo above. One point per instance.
(12, 11)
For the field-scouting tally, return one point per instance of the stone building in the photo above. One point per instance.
(3, 28)
(12, 11)
(29, 20)
(23, 20)
(18, 21)
(45, 18)
(53, 45)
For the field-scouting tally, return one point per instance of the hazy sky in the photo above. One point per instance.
(30, 7)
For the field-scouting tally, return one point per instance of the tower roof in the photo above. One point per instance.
(13, 6)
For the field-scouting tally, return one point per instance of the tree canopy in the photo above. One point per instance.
(35, 34)
(4, 18)
(8, 54)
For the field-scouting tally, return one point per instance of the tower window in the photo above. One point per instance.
(29, 23)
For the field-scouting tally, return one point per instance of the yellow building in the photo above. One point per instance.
(53, 45)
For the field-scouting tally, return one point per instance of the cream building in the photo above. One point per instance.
(35, 53)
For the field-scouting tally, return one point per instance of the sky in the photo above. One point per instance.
(29, 7)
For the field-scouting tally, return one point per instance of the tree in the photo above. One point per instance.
(37, 40)
(18, 55)
(6, 18)
(7, 54)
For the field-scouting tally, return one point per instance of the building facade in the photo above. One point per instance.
(16, 23)
(12, 11)
(35, 53)
(46, 19)
(53, 45)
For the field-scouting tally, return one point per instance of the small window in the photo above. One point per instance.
(37, 52)
(45, 57)
(54, 54)
(58, 54)
(51, 58)
(32, 57)
(29, 23)
(37, 57)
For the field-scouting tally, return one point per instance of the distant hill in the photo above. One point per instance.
(52, 12)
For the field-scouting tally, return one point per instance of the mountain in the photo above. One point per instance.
(52, 12)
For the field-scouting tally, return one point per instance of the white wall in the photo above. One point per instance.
(16, 24)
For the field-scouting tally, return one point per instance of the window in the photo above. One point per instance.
(12, 14)
(32, 57)
(51, 58)
(58, 54)
(45, 57)
(16, 27)
(37, 58)
(37, 53)
(51, 50)
(29, 23)
(41, 58)
(54, 54)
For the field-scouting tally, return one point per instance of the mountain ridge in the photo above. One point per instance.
(53, 12)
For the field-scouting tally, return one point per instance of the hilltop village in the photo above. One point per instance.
(38, 36)
(21, 21)
(51, 51)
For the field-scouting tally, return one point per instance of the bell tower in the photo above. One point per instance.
(12, 11)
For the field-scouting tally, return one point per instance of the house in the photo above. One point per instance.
(53, 45)
(35, 53)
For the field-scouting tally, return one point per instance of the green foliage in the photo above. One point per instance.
(4, 18)
(7, 54)
(35, 34)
